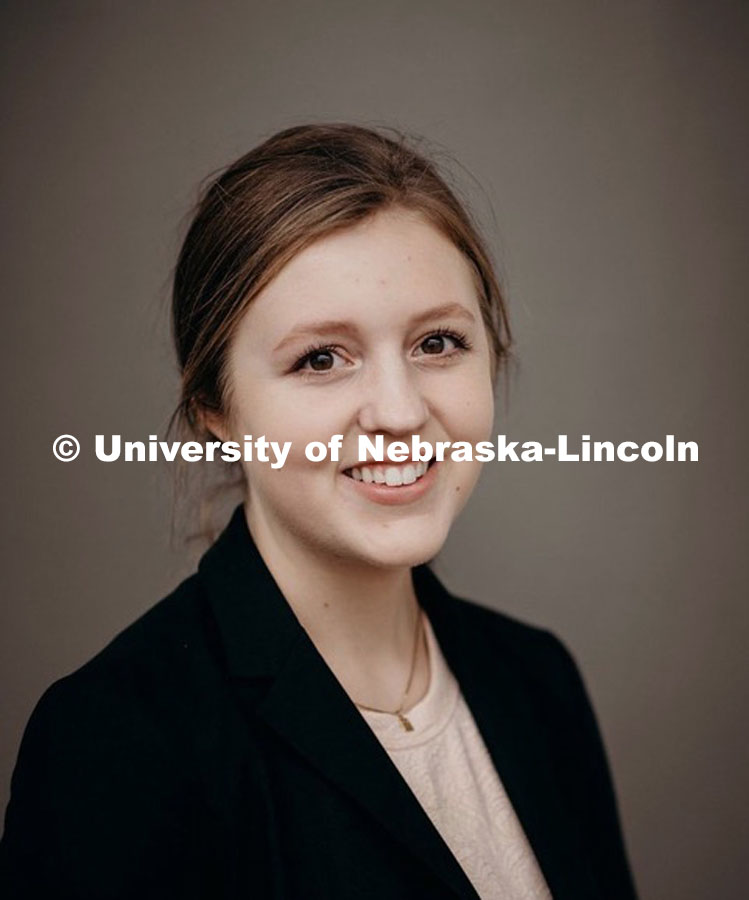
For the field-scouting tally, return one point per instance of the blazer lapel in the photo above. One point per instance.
(513, 735)
(308, 707)
(305, 703)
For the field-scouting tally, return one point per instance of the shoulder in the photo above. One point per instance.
(533, 651)
(105, 780)
(123, 693)
(539, 662)
(520, 638)
(121, 727)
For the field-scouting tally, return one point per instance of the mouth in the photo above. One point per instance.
(391, 474)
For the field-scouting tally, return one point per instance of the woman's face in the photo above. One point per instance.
(372, 330)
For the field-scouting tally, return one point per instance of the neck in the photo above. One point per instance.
(361, 618)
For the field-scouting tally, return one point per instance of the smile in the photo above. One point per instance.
(390, 475)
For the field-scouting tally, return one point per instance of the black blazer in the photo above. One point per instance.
(208, 751)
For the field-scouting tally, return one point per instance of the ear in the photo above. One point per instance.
(215, 423)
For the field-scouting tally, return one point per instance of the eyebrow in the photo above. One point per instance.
(338, 326)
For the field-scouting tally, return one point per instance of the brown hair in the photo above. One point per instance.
(297, 186)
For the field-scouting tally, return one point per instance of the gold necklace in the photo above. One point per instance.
(402, 718)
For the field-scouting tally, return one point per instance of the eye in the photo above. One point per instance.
(317, 359)
(444, 342)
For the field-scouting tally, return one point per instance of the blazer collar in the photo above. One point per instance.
(307, 706)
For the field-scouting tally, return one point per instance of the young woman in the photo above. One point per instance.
(311, 714)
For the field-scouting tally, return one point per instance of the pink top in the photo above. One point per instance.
(446, 764)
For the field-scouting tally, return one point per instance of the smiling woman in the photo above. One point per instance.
(311, 714)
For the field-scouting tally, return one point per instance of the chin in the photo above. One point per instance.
(397, 550)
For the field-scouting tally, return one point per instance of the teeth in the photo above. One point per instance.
(394, 476)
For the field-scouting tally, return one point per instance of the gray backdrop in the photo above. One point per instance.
(611, 143)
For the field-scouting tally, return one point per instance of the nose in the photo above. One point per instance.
(392, 400)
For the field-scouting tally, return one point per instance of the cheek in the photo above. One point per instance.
(283, 415)
(299, 423)
(467, 475)
(470, 410)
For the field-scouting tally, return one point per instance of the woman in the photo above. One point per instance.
(311, 714)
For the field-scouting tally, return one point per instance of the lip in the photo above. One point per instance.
(395, 495)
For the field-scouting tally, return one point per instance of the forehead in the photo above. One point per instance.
(394, 264)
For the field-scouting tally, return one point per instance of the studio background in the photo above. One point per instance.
(610, 141)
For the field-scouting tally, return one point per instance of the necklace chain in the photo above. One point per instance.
(405, 722)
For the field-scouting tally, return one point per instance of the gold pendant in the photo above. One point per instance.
(407, 726)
